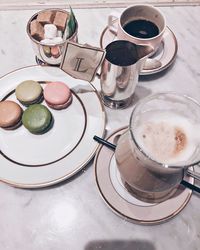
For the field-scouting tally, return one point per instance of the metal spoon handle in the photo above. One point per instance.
(193, 174)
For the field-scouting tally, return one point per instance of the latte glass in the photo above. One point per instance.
(153, 166)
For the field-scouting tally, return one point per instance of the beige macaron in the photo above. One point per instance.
(10, 114)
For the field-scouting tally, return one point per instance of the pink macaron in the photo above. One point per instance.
(57, 95)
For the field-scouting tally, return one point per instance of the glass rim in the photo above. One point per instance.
(145, 100)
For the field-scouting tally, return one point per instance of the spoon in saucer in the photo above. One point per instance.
(152, 63)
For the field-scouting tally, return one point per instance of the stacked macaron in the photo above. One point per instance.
(57, 95)
(37, 119)
(10, 115)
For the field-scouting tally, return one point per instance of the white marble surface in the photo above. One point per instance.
(34, 4)
(72, 215)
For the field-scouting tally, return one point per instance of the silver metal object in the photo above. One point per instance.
(151, 63)
(193, 174)
(120, 70)
(40, 49)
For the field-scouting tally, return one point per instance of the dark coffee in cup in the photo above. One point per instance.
(140, 24)
(141, 28)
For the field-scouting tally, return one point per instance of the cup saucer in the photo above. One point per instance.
(164, 57)
(123, 202)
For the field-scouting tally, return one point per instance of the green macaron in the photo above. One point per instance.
(37, 119)
(29, 92)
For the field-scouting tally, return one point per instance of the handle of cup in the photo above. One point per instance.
(112, 25)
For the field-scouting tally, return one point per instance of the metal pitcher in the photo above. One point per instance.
(120, 70)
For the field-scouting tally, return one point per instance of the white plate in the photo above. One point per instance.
(166, 54)
(31, 161)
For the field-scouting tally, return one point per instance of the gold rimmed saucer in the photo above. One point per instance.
(165, 55)
(124, 203)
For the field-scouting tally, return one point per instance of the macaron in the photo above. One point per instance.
(55, 52)
(57, 95)
(10, 115)
(47, 51)
(29, 92)
(37, 119)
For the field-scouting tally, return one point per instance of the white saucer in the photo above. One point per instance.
(124, 203)
(166, 54)
(32, 161)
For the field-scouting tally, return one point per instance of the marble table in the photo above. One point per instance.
(72, 215)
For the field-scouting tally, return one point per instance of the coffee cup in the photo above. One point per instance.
(140, 24)
(154, 154)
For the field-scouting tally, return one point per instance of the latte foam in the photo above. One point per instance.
(167, 137)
